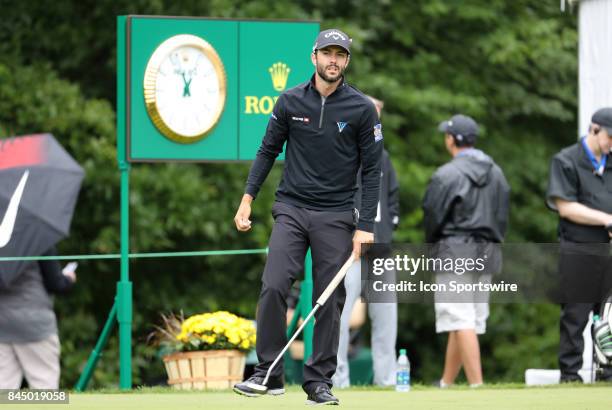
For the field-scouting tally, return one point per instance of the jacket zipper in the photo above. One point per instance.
(322, 111)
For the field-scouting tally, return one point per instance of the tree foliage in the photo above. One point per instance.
(510, 64)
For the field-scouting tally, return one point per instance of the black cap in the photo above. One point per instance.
(333, 37)
(603, 117)
(464, 128)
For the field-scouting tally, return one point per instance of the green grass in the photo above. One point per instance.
(421, 397)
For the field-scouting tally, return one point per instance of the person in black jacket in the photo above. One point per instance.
(331, 129)
(580, 190)
(465, 207)
(383, 315)
(29, 342)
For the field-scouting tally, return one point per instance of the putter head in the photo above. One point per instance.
(259, 388)
(250, 388)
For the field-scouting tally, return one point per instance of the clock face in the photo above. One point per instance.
(185, 88)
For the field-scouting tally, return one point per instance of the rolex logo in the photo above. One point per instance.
(279, 73)
(264, 105)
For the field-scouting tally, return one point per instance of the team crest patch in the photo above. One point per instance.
(378, 132)
(341, 125)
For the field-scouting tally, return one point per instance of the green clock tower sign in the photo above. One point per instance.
(196, 89)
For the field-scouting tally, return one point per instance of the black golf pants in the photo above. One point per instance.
(586, 279)
(329, 235)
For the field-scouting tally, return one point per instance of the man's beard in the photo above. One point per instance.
(328, 78)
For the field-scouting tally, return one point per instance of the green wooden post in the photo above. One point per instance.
(124, 286)
(96, 353)
(306, 305)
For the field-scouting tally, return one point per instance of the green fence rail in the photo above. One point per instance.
(135, 255)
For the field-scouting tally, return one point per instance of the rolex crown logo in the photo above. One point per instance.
(279, 73)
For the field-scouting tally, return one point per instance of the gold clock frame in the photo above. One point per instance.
(150, 81)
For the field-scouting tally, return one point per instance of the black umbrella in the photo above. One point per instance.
(39, 185)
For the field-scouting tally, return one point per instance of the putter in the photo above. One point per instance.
(320, 302)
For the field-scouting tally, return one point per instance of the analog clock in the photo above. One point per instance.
(185, 88)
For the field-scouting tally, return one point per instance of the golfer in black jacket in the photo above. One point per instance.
(331, 129)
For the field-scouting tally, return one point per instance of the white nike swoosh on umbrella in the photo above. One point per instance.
(8, 222)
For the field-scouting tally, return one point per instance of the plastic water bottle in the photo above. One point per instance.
(402, 380)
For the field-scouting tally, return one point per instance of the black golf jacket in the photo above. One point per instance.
(388, 212)
(328, 139)
(468, 196)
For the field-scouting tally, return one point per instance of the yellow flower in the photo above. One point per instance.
(210, 339)
(211, 328)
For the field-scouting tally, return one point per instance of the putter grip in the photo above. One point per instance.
(335, 281)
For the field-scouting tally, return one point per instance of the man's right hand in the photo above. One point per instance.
(242, 221)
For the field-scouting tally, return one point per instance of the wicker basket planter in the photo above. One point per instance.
(211, 369)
